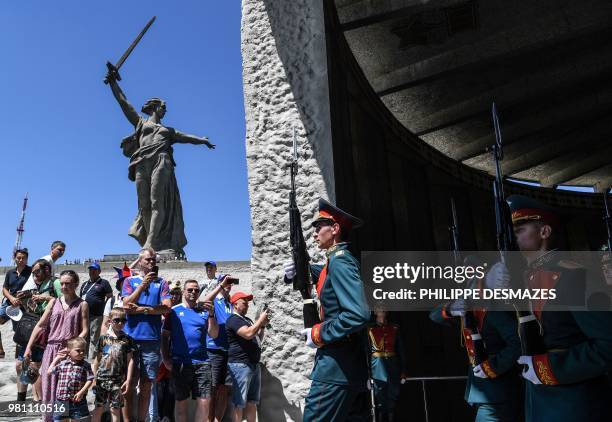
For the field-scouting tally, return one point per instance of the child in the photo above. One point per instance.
(114, 367)
(74, 377)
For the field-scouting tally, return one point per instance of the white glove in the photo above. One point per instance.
(498, 277)
(478, 372)
(458, 308)
(529, 373)
(289, 268)
(308, 333)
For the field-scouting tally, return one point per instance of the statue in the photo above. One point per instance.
(159, 223)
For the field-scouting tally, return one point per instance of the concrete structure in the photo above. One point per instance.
(391, 101)
(285, 85)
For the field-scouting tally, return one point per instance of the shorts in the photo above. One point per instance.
(218, 366)
(3, 315)
(66, 409)
(246, 379)
(191, 379)
(37, 353)
(108, 391)
(149, 358)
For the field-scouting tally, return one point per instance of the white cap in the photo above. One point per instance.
(14, 312)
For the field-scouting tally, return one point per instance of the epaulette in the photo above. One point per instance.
(570, 265)
(340, 252)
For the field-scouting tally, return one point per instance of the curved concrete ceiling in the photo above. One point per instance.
(438, 65)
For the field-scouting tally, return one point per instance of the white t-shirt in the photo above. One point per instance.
(30, 284)
(118, 304)
(207, 285)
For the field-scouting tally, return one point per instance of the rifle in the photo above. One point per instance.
(301, 259)
(503, 222)
(608, 218)
(532, 342)
(474, 344)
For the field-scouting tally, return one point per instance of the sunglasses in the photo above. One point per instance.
(119, 320)
(192, 290)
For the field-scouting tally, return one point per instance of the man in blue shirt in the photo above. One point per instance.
(217, 347)
(145, 297)
(185, 330)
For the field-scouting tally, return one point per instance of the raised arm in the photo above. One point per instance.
(127, 108)
(185, 138)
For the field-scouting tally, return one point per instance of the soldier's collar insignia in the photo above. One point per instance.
(338, 247)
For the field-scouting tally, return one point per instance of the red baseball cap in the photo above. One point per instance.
(240, 295)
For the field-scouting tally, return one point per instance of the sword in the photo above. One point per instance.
(114, 68)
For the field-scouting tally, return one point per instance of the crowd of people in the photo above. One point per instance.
(155, 344)
(142, 350)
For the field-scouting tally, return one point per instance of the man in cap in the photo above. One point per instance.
(95, 292)
(567, 380)
(388, 364)
(211, 281)
(493, 388)
(339, 378)
(243, 355)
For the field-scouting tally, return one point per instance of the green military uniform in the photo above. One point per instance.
(578, 344)
(388, 365)
(498, 397)
(339, 379)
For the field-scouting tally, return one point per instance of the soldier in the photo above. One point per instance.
(339, 379)
(606, 265)
(567, 380)
(493, 386)
(388, 365)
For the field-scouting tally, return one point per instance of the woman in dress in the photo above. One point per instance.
(159, 223)
(64, 318)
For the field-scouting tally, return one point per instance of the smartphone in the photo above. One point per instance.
(233, 280)
(155, 269)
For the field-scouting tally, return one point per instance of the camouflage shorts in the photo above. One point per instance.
(109, 392)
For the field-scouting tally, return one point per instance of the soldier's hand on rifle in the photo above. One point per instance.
(479, 372)
(498, 277)
(528, 372)
(308, 333)
(289, 268)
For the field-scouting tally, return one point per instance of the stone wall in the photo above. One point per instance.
(285, 86)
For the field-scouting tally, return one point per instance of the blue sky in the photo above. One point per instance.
(62, 127)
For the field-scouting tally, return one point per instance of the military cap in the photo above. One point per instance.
(525, 209)
(331, 213)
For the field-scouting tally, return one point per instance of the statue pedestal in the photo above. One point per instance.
(170, 255)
